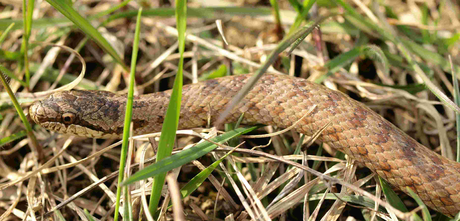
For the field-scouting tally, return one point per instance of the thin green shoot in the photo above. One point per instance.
(28, 8)
(394, 199)
(296, 5)
(12, 76)
(12, 137)
(301, 15)
(409, 58)
(110, 10)
(196, 181)
(276, 12)
(290, 40)
(171, 122)
(186, 156)
(205, 12)
(406, 47)
(376, 54)
(457, 101)
(88, 215)
(5, 33)
(127, 207)
(425, 212)
(298, 148)
(338, 62)
(128, 115)
(36, 147)
(66, 9)
(240, 119)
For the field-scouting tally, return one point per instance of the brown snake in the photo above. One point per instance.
(275, 100)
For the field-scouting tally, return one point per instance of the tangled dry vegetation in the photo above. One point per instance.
(76, 178)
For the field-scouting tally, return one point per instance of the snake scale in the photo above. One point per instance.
(277, 100)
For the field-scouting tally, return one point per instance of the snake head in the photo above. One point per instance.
(81, 113)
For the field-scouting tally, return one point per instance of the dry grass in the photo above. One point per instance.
(79, 174)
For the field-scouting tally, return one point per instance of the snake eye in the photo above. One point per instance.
(68, 118)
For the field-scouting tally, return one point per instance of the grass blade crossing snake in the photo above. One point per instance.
(275, 100)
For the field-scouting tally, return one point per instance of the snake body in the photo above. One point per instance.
(275, 100)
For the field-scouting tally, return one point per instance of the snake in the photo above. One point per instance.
(278, 100)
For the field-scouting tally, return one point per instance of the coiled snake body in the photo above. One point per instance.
(275, 100)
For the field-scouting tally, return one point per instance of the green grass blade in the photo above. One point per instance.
(12, 76)
(433, 88)
(359, 200)
(317, 163)
(296, 5)
(196, 181)
(83, 24)
(374, 30)
(393, 198)
(28, 16)
(38, 23)
(298, 149)
(339, 62)
(290, 40)
(60, 217)
(11, 56)
(426, 36)
(28, 8)
(128, 115)
(456, 93)
(170, 124)
(185, 156)
(428, 55)
(5, 33)
(450, 42)
(276, 11)
(411, 88)
(37, 148)
(302, 15)
(110, 10)
(425, 212)
(407, 48)
(127, 207)
(343, 59)
(88, 215)
(13, 137)
(207, 12)
(374, 53)
(221, 71)
(358, 20)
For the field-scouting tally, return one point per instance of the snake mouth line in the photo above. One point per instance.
(77, 130)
